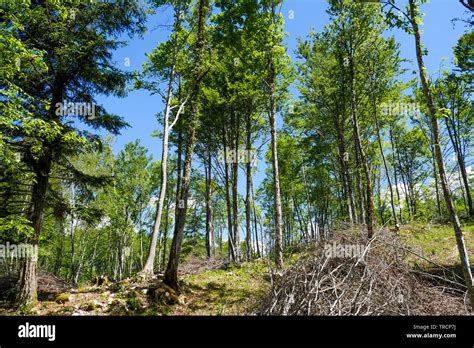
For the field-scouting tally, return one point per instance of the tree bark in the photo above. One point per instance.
(27, 284)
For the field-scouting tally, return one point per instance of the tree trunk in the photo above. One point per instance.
(453, 135)
(255, 220)
(395, 177)
(275, 171)
(309, 207)
(148, 268)
(387, 174)
(27, 284)
(351, 210)
(235, 192)
(59, 256)
(171, 274)
(209, 225)
(276, 189)
(435, 176)
(230, 235)
(365, 165)
(248, 234)
(439, 156)
(165, 235)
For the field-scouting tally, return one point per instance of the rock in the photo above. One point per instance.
(110, 299)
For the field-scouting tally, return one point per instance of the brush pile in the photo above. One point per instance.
(349, 275)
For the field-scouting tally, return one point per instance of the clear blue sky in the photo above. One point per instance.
(139, 108)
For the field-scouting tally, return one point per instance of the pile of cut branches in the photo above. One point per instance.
(352, 276)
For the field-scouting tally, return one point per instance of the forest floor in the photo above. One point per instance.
(438, 243)
(219, 288)
(207, 288)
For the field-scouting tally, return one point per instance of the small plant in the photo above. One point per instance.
(133, 303)
(89, 306)
(62, 298)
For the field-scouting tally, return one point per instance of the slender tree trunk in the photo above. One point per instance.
(148, 268)
(209, 224)
(230, 235)
(275, 170)
(309, 208)
(395, 177)
(404, 181)
(435, 176)
(255, 220)
(365, 165)
(235, 192)
(276, 188)
(361, 201)
(171, 274)
(298, 217)
(414, 13)
(380, 209)
(453, 135)
(387, 173)
(248, 234)
(140, 232)
(351, 210)
(59, 256)
(165, 235)
(81, 259)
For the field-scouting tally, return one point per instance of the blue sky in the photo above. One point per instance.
(139, 108)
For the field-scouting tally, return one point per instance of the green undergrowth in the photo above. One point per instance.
(438, 242)
(232, 290)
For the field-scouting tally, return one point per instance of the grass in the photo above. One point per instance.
(236, 290)
(438, 243)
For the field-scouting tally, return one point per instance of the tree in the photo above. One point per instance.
(202, 11)
(452, 97)
(275, 85)
(168, 67)
(410, 23)
(79, 65)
